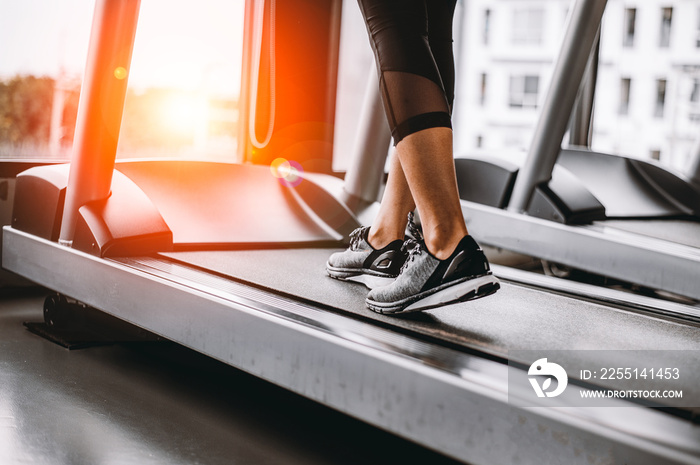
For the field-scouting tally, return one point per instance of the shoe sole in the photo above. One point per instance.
(461, 291)
(359, 276)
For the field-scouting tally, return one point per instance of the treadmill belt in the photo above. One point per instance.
(515, 318)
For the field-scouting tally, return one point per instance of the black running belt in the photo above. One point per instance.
(515, 318)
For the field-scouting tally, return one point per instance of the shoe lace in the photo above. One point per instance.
(356, 237)
(413, 248)
(413, 228)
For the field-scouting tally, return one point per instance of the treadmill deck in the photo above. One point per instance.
(516, 318)
(507, 320)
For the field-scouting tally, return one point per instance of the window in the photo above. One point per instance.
(482, 90)
(630, 22)
(487, 26)
(479, 141)
(666, 16)
(695, 93)
(524, 91)
(697, 29)
(625, 85)
(660, 98)
(655, 154)
(528, 25)
(179, 68)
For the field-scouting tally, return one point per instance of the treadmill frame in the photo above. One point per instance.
(595, 248)
(450, 401)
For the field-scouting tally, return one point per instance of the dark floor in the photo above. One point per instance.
(158, 403)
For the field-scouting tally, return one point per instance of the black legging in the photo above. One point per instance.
(412, 43)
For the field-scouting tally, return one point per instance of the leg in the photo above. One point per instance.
(397, 202)
(440, 18)
(426, 159)
(428, 155)
(417, 80)
(433, 182)
(412, 41)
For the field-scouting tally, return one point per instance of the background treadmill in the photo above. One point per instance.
(605, 214)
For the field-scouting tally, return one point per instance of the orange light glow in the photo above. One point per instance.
(288, 172)
(183, 112)
(279, 167)
(120, 72)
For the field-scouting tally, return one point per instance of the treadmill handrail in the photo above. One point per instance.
(584, 24)
(100, 109)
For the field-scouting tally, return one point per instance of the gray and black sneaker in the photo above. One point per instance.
(363, 263)
(427, 282)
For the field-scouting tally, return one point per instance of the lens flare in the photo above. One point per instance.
(287, 171)
(120, 72)
(279, 167)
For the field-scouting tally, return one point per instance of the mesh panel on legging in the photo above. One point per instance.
(412, 42)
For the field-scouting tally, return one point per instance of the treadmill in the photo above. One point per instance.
(228, 260)
(605, 214)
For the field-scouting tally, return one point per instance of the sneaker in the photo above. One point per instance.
(364, 264)
(427, 282)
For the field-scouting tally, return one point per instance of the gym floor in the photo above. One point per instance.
(159, 403)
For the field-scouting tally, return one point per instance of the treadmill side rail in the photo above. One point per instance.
(634, 258)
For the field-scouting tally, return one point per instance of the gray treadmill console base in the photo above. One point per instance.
(39, 196)
(155, 206)
(124, 224)
(564, 199)
(630, 188)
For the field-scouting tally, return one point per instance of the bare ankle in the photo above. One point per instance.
(379, 238)
(442, 245)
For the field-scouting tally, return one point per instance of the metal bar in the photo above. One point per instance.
(582, 116)
(596, 249)
(101, 107)
(366, 172)
(584, 23)
(244, 101)
(632, 302)
(450, 401)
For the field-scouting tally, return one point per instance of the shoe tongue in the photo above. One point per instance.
(365, 234)
(413, 229)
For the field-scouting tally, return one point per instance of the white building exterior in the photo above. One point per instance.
(648, 92)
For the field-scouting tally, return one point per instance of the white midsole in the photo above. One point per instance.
(451, 293)
(371, 281)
